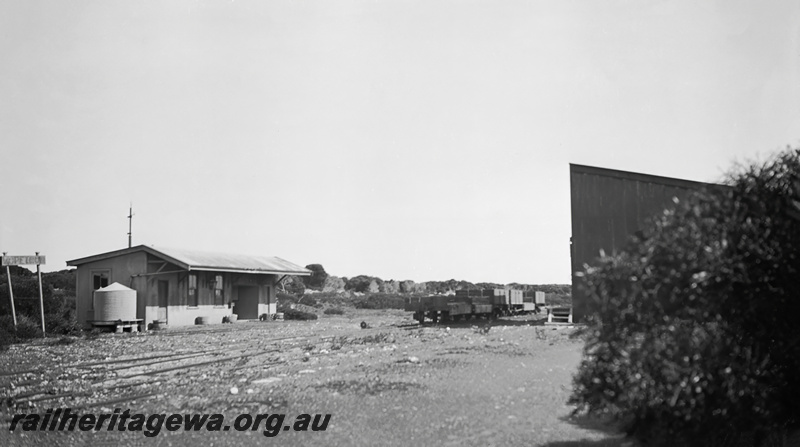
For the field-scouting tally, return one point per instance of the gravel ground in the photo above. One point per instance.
(394, 383)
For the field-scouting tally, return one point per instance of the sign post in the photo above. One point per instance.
(22, 260)
(10, 293)
(41, 295)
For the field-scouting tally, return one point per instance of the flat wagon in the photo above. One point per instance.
(474, 303)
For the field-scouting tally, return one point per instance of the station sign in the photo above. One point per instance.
(23, 260)
(8, 261)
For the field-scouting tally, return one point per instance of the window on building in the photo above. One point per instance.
(99, 280)
(193, 292)
(219, 292)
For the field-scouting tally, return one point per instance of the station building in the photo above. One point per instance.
(178, 286)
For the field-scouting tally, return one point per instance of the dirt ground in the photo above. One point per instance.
(503, 383)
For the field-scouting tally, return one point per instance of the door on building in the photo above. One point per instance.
(247, 305)
(163, 299)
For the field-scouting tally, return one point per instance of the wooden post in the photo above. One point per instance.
(41, 295)
(11, 295)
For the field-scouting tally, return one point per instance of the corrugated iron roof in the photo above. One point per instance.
(199, 260)
(208, 261)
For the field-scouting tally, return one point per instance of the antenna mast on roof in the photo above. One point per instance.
(130, 224)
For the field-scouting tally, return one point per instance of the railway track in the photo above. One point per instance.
(88, 379)
(125, 378)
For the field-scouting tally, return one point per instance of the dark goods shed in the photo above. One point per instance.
(608, 206)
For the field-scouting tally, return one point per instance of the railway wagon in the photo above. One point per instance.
(532, 301)
(467, 304)
(448, 307)
(509, 303)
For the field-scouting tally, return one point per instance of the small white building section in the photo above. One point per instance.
(178, 286)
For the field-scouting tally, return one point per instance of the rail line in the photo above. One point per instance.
(109, 381)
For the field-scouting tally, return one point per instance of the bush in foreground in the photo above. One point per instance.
(692, 335)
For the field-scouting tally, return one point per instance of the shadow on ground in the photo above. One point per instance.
(480, 322)
(616, 442)
(615, 437)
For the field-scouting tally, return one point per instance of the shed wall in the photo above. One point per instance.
(609, 206)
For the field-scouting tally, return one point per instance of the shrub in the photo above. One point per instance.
(318, 276)
(26, 296)
(691, 330)
(294, 285)
(333, 284)
(334, 311)
(307, 299)
(62, 324)
(62, 320)
(363, 284)
(558, 299)
(284, 298)
(334, 298)
(294, 314)
(27, 328)
(380, 301)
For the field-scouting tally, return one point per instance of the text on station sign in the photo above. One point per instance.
(22, 260)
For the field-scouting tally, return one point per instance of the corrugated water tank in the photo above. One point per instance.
(115, 302)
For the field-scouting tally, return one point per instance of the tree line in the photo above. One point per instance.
(321, 281)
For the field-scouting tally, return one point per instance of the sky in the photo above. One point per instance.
(406, 139)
